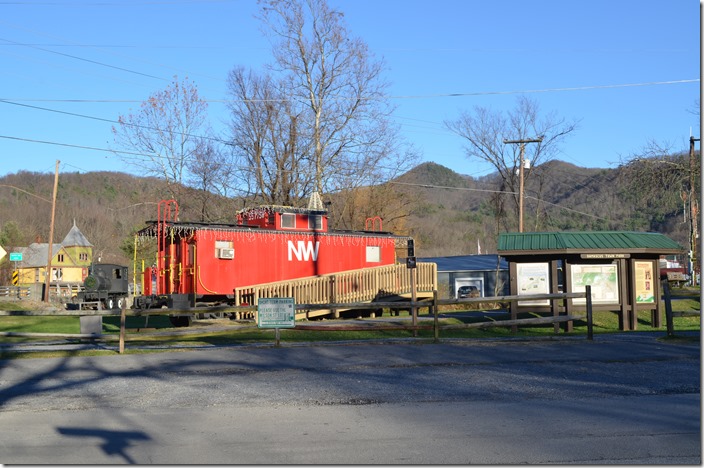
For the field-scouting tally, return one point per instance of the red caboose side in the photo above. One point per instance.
(205, 262)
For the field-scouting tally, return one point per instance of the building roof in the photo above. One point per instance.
(515, 243)
(467, 262)
(75, 238)
(36, 255)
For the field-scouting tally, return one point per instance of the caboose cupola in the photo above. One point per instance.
(284, 218)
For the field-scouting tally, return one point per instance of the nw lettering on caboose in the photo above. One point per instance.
(303, 251)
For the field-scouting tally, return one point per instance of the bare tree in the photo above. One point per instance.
(485, 131)
(656, 166)
(209, 173)
(267, 137)
(165, 132)
(336, 109)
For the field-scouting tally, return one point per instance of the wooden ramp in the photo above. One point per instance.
(364, 285)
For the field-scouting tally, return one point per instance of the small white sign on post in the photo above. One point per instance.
(276, 312)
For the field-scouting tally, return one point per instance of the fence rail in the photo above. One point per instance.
(58, 292)
(15, 292)
(432, 305)
(412, 305)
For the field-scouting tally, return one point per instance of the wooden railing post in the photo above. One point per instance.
(436, 329)
(590, 321)
(123, 320)
(333, 296)
(668, 309)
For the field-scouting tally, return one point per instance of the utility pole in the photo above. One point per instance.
(521, 142)
(51, 235)
(693, 209)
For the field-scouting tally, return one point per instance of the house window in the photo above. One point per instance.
(315, 222)
(83, 257)
(60, 258)
(288, 221)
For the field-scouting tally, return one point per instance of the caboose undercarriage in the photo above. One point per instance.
(182, 302)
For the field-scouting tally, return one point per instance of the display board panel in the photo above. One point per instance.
(602, 278)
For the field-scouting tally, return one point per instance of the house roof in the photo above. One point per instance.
(515, 243)
(36, 255)
(75, 238)
(467, 262)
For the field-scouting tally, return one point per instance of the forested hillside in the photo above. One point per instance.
(456, 214)
(450, 213)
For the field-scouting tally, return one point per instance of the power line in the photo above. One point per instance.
(7, 137)
(104, 49)
(468, 189)
(390, 182)
(418, 96)
(102, 119)
(85, 60)
(502, 192)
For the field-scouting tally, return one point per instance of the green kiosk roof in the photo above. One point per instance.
(523, 243)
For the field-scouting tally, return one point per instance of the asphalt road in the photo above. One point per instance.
(623, 399)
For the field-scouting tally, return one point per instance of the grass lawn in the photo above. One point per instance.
(139, 329)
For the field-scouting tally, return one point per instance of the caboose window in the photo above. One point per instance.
(288, 220)
(373, 254)
(117, 273)
(315, 222)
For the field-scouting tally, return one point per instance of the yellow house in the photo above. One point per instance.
(69, 260)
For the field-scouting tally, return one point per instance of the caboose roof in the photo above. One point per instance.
(284, 209)
(187, 228)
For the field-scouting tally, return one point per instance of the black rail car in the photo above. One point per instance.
(106, 284)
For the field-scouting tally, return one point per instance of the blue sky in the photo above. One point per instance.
(628, 70)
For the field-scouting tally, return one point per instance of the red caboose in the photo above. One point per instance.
(205, 262)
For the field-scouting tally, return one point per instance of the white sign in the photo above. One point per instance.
(533, 278)
(2, 253)
(276, 312)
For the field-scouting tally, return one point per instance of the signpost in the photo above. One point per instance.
(276, 312)
(15, 257)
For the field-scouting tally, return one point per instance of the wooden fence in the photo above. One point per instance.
(58, 292)
(432, 305)
(15, 292)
